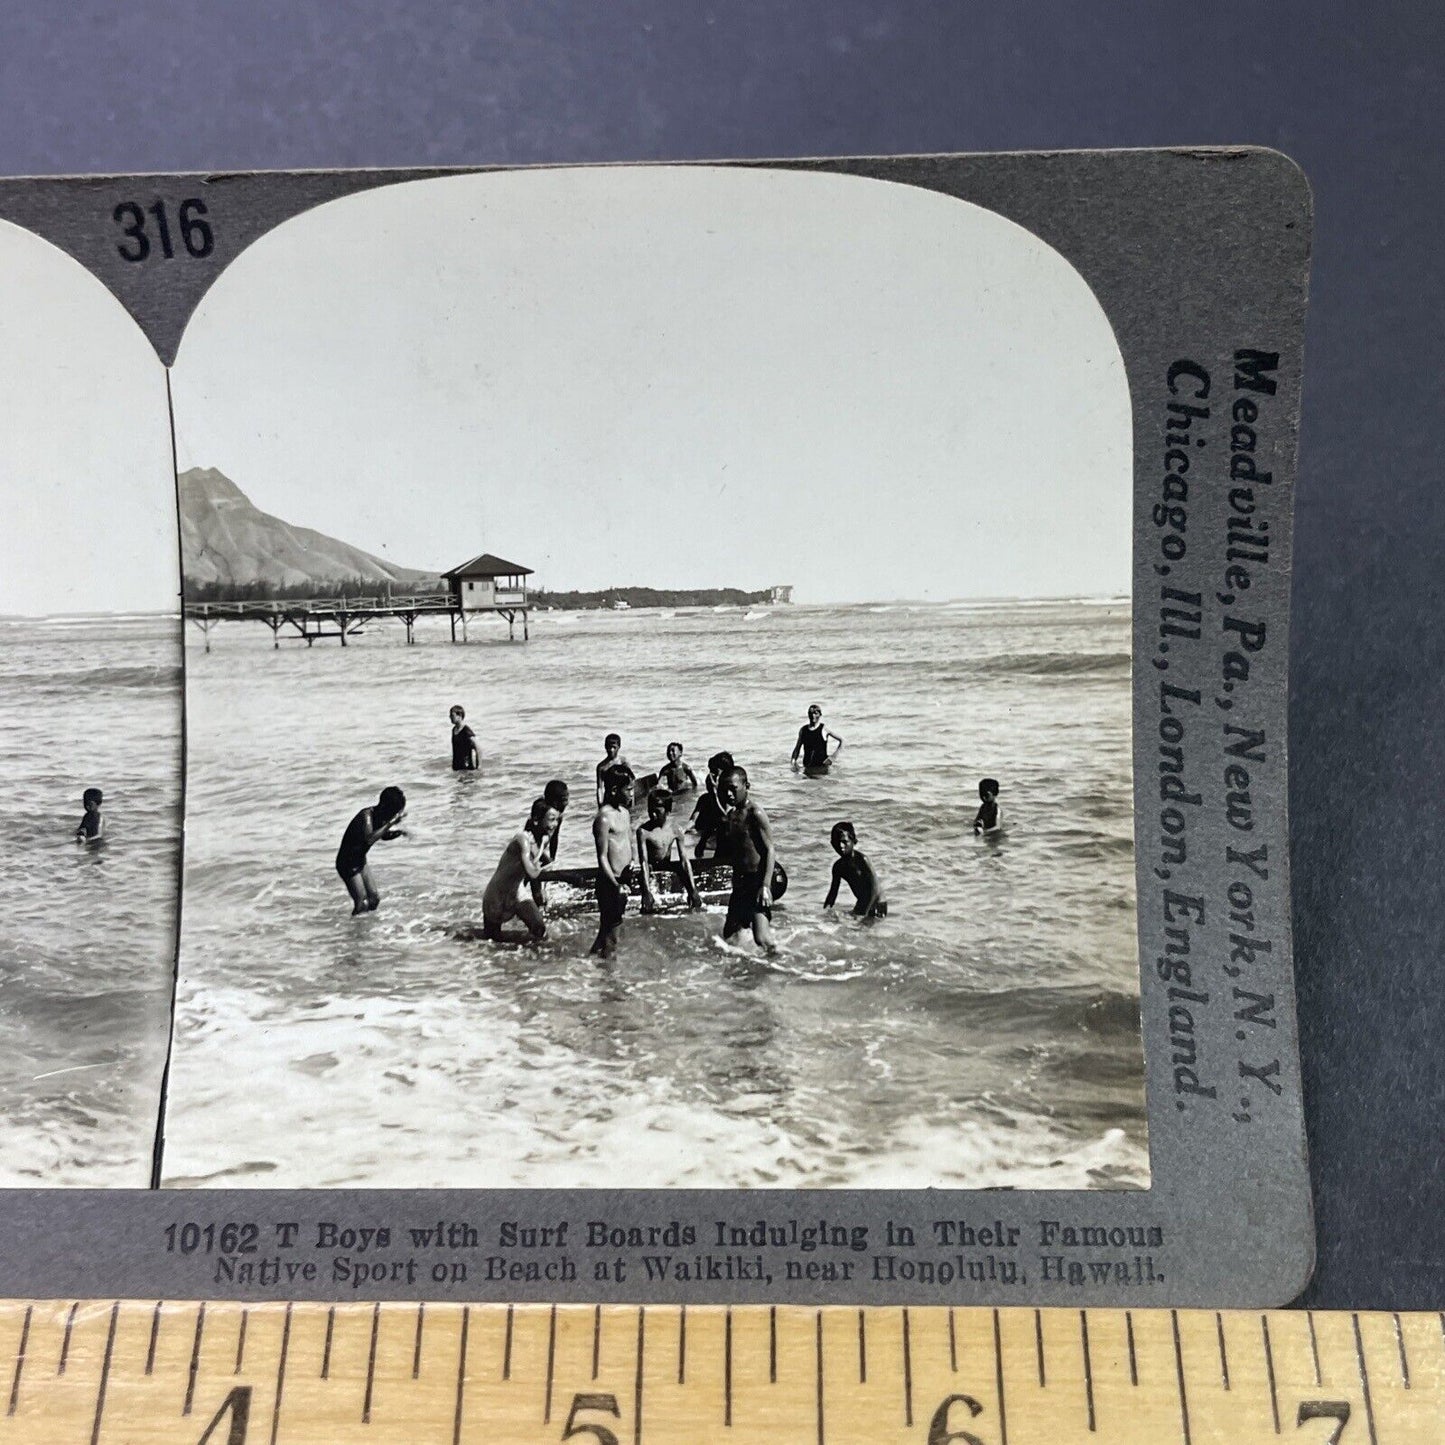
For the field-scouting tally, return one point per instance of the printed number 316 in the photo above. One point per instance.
(195, 231)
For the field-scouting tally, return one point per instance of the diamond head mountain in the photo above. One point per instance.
(231, 550)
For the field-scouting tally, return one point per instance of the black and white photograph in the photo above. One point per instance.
(658, 688)
(90, 727)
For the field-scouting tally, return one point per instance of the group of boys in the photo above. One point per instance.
(726, 817)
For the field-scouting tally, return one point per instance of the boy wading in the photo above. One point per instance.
(612, 832)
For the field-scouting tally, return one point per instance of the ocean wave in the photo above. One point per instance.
(141, 676)
(1054, 664)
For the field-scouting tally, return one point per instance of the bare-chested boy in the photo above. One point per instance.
(750, 846)
(656, 839)
(675, 775)
(508, 895)
(612, 833)
(614, 762)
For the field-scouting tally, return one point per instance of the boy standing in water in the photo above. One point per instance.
(92, 825)
(750, 846)
(988, 819)
(369, 826)
(857, 872)
(813, 741)
(709, 816)
(610, 764)
(676, 775)
(656, 839)
(465, 757)
(506, 895)
(612, 833)
(556, 795)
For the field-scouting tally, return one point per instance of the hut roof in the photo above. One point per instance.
(489, 565)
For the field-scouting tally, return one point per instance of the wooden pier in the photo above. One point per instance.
(313, 619)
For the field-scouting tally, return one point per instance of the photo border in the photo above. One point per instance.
(1199, 259)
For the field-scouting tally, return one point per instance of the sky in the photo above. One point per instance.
(86, 475)
(674, 377)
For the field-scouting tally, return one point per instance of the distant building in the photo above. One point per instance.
(488, 584)
(782, 594)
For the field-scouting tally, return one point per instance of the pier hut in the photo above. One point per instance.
(782, 593)
(489, 584)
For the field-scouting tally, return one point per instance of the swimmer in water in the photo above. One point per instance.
(813, 741)
(610, 764)
(507, 895)
(988, 820)
(92, 826)
(557, 794)
(612, 833)
(709, 816)
(656, 839)
(371, 825)
(857, 872)
(465, 757)
(675, 775)
(750, 846)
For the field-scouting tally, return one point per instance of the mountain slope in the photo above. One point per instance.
(226, 541)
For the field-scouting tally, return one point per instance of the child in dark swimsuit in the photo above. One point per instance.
(465, 756)
(709, 816)
(92, 825)
(369, 826)
(612, 834)
(813, 741)
(988, 819)
(857, 872)
(750, 846)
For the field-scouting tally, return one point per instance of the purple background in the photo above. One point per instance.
(1351, 92)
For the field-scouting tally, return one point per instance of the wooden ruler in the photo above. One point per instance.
(229, 1374)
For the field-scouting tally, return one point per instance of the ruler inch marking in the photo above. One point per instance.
(998, 1381)
(1364, 1380)
(241, 1342)
(507, 1347)
(728, 1368)
(862, 1350)
(952, 1343)
(1314, 1346)
(1269, 1370)
(20, 1360)
(1179, 1375)
(416, 1347)
(104, 1375)
(371, 1364)
(818, 1351)
(1039, 1347)
(461, 1377)
(551, 1365)
(155, 1336)
(1223, 1352)
(637, 1383)
(1088, 1367)
(65, 1340)
(281, 1375)
(1400, 1345)
(1129, 1333)
(195, 1360)
(907, 1373)
(681, 1347)
(596, 1338)
(773, 1342)
(326, 1350)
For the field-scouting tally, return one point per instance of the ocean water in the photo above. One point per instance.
(984, 1035)
(88, 943)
